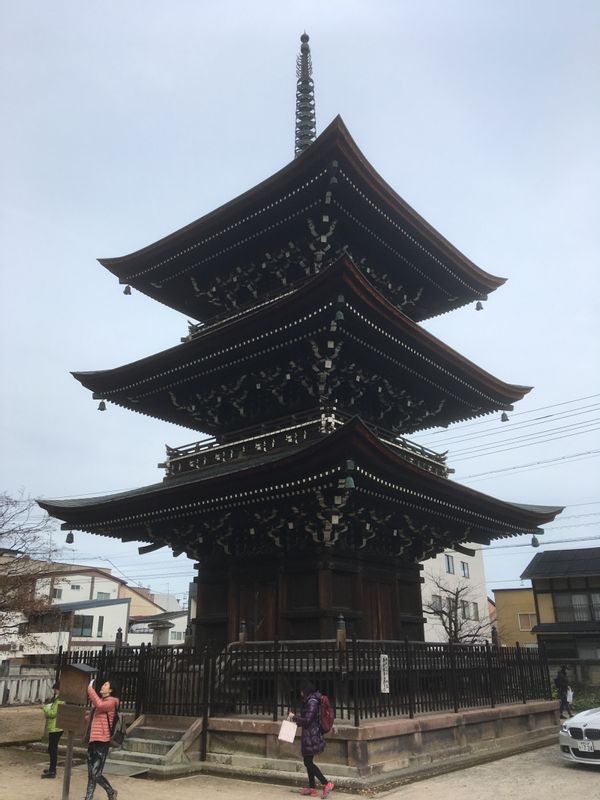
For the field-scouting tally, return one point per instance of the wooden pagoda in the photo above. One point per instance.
(308, 368)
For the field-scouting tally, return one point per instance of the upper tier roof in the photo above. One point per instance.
(328, 199)
(290, 355)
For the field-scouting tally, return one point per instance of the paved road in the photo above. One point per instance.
(536, 775)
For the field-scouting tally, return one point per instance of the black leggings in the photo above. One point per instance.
(313, 772)
(96, 756)
(53, 749)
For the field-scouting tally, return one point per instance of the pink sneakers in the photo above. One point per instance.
(310, 792)
(329, 787)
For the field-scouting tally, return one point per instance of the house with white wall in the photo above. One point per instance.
(67, 583)
(162, 629)
(448, 571)
(94, 623)
(88, 606)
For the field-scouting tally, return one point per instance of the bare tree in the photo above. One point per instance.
(25, 549)
(461, 618)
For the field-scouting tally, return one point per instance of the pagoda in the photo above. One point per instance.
(308, 369)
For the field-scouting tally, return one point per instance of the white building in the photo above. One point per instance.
(450, 570)
(88, 606)
(94, 623)
(162, 629)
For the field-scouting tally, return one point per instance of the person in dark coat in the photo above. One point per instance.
(312, 742)
(562, 687)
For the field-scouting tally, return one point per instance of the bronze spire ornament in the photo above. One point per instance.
(306, 124)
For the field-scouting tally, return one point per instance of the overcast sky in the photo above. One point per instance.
(124, 121)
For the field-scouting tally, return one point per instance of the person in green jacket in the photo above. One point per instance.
(50, 709)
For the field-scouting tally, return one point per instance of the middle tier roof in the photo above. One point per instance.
(334, 341)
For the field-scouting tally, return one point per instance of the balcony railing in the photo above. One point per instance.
(255, 442)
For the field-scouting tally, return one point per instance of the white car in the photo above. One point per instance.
(579, 737)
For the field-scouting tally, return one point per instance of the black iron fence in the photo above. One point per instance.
(364, 679)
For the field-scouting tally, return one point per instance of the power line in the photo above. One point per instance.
(502, 428)
(525, 444)
(548, 461)
(528, 544)
(514, 414)
(574, 427)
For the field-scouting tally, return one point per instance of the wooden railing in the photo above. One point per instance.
(21, 690)
(289, 431)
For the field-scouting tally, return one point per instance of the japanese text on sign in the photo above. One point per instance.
(384, 666)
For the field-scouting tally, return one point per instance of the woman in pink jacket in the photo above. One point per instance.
(99, 728)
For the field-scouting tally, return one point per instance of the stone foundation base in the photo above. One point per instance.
(382, 751)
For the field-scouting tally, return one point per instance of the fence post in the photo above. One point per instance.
(520, 671)
(102, 664)
(544, 668)
(453, 685)
(275, 677)
(355, 681)
(410, 665)
(206, 695)
(490, 672)
(141, 682)
(58, 665)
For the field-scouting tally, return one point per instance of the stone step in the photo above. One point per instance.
(275, 765)
(155, 746)
(151, 732)
(127, 756)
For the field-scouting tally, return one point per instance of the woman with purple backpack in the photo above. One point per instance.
(312, 742)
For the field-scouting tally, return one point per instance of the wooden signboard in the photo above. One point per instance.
(74, 680)
(71, 718)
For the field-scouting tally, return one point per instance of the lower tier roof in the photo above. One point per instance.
(350, 492)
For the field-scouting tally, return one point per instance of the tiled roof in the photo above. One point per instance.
(564, 563)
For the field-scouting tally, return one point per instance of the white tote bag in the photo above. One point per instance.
(569, 695)
(287, 732)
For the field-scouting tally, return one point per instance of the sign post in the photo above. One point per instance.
(384, 669)
(68, 766)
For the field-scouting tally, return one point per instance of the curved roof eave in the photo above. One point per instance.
(353, 434)
(313, 287)
(335, 137)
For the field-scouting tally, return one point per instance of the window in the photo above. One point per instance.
(577, 606)
(526, 621)
(177, 636)
(102, 595)
(465, 608)
(475, 611)
(100, 626)
(588, 651)
(82, 625)
(449, 564)
(75, 587)
(464, 569)
(436, 602)
(56, 594)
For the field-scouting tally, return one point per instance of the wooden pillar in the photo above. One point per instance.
(326, 622)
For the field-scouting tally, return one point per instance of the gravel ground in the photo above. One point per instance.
(536, 775)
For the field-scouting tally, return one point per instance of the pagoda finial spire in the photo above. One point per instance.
(306, 124)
